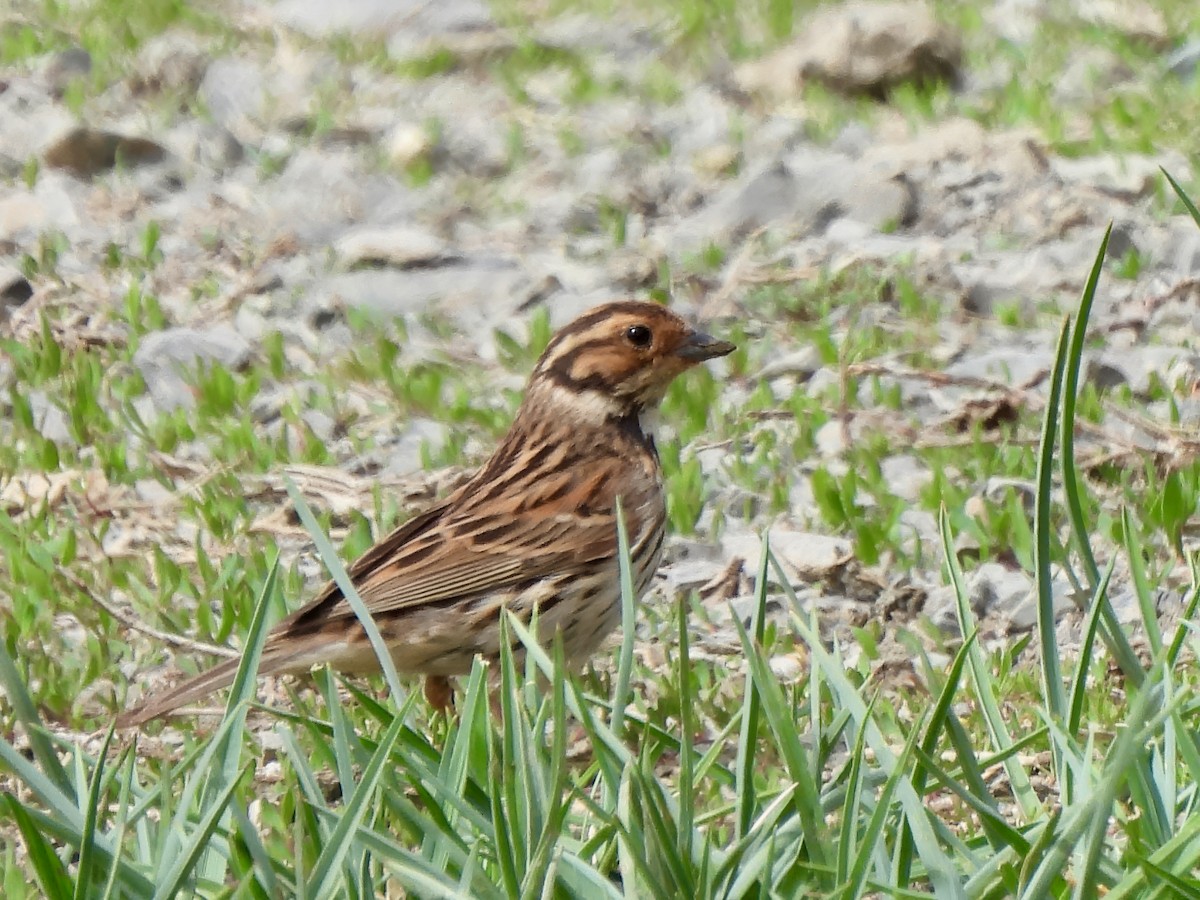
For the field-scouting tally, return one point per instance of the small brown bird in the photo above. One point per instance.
(535, 527)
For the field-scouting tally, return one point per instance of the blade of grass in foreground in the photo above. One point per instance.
(751, 711)
(87, 844)
(224, 768)
(1052, 684)
(26, 713)
(323, 880)
(621, 692)
(330, 558)
(1111, 630)
(981, 678)
(1184, 198)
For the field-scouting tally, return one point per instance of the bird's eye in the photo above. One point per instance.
(638, 335)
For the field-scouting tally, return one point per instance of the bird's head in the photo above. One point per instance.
(617, 361)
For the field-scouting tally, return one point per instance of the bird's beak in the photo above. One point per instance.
(700, 346)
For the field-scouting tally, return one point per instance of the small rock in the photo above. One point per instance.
(23, 213)
(861, 48)
(66, 68)
(1140, 366)
(1126, 176)
(1182, 63)
(206, 143)
(406, 452)
(382, 18)
(87, 151)
(690, 574)
(830, 439)
(1136, 19)
(477, 148)
(801, 363)
(806, 554)
(717, 160)
(1011, 365)
(401, 248)
(407, 144)
(1021, 612)
(997, 588)
(234, 91)
(906, 476)
(49, 419)
(165, 356)
(170, 62)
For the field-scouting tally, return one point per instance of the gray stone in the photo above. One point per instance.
(24, 213)
(164, 357)
(1183, 61)
(1126, 175)
(321, 192)
(402, 247)
(691, 574)
(801, 363)
(479, 292)
(49, 419)
(1013, 365)
(1140, 366)
(170, 62)
(67, 67)
(235, 93)
(475, 146)
(407, 451)
(1180, 249)
(808, 555)
(207, 144)
(411, 20)
(801, 194)
(1020, 611)
(994, 587)
(906, 476)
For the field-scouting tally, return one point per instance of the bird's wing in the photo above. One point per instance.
(458, 550)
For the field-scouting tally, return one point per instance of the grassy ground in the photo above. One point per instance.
(665, 771)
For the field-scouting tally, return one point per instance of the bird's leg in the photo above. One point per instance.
(439, 694)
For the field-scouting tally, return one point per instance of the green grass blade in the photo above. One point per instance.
(981, 678)
(25, 712)
(330, 558)
(50, 871)
(1083, 664)
(225, 767)
(178, 869)
(751, 712)
(787, 742)
(872, 839)
(621, 692)
(903, 856)
(324, 878)
(1183, 197)
(1052, 682)
(1081, 530)
(1142, 588)
(87, 843)
(686, 786)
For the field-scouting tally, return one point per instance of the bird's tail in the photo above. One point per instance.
(219, 676)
